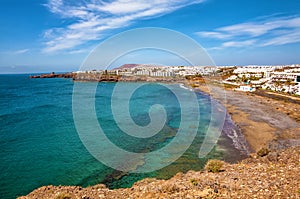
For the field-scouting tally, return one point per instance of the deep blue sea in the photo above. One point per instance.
(39, 144)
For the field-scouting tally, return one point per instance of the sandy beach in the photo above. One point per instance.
(264, 121)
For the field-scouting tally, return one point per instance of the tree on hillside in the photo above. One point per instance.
(244, 79)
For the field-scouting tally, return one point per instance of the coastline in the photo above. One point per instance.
(263, 121)
(254, 115)
(231, 132)
(270, 128)
(235, 135)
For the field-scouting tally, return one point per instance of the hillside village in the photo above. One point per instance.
(276, 78)
(282, 79)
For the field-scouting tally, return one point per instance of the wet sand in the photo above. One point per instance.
(264, 121)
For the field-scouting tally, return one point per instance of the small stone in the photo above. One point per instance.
(273, 156)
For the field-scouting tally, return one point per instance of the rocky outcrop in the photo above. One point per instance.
(96, 77)
(53, 75)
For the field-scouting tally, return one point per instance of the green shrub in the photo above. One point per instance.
(194, 182)
(214, 166)
(263, 152)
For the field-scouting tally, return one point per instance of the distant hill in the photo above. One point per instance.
(127, 66)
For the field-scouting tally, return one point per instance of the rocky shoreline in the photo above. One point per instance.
(53, 75)
(97, 77)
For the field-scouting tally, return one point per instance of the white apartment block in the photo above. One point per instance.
(284, 76)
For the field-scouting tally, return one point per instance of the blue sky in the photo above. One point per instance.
(57, 35)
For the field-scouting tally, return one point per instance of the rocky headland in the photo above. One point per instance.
(53, 75)
(98, 77)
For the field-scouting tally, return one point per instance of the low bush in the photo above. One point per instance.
(263, 152)
(214, 166)
(194, 182)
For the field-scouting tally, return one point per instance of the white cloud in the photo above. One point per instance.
(272, 31)
(15, 52)
(91, 18)
(216, 35)
(22, 51)
(18, 52)
(123, 7)
(79, 51)
(238, 43)
(287, 38)
(250, 29)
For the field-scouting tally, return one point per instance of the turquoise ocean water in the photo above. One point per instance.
(39, 144)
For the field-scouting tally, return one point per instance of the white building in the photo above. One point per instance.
(284, 76)
(245, 89)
